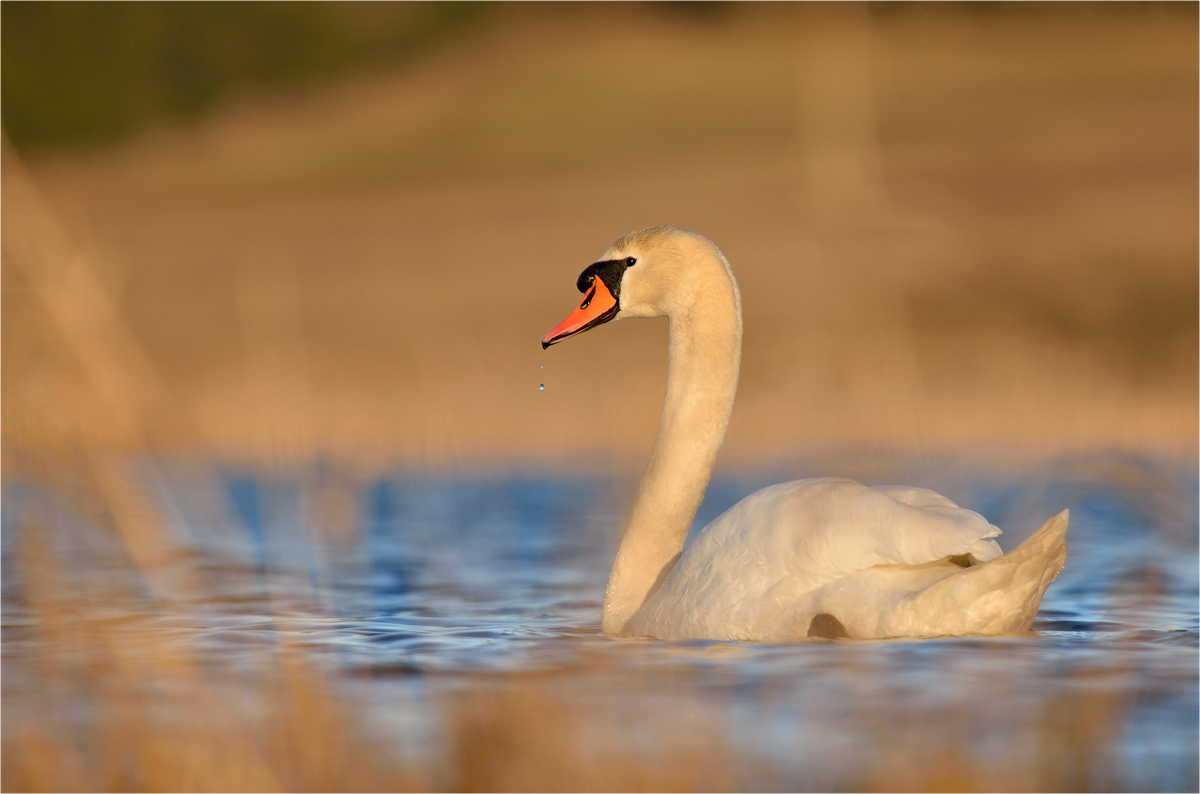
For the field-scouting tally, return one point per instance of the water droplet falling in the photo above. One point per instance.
(541, 387)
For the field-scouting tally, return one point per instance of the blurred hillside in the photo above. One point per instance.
(954, 227)
(81, 73)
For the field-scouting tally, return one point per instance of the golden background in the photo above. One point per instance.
(952, 229)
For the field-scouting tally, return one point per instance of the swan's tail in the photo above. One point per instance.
(1001, 596)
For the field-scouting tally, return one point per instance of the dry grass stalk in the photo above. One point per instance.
(531, 733)
(1064, 743)
(105, 708)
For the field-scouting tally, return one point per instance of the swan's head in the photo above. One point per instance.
(648, 273)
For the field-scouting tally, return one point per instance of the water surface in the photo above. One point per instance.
(410, 588)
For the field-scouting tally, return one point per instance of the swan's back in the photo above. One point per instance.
(757, 572)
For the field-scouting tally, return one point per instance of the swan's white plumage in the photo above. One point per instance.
(872, 557)
(877, 559)
(745, 574)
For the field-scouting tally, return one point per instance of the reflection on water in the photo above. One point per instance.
(414, 592)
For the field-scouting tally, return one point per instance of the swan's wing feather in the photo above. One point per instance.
(829, 528)
(915, 497)
(981, 550)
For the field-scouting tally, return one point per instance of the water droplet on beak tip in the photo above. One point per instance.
(541, 387)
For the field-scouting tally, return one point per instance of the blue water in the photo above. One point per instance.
(408, 586)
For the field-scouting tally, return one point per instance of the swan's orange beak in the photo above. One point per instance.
(598, 306)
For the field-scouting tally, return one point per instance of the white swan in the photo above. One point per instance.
(827, 557)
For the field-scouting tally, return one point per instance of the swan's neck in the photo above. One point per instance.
(702, 372)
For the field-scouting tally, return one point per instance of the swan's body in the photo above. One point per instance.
(885, 562)
(827, 557)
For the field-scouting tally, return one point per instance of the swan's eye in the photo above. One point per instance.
(630, 262)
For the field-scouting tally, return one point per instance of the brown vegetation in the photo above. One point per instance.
(952, 228)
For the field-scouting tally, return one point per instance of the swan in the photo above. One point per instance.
(827, 558)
